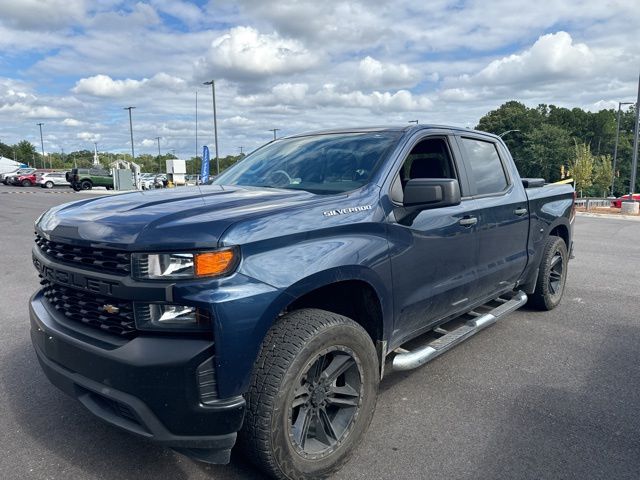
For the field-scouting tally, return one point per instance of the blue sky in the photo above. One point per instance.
(297, 65)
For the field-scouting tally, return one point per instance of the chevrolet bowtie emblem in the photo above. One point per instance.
(110, 309)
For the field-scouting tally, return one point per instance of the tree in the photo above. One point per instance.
(602, 175)
(26, 153)
(545, 151)
(582, 167)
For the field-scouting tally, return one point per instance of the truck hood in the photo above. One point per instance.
(190, 217)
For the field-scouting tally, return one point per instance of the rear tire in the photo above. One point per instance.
(48, 185)
(26, 183)
(312, 395)
(86, 185)
(552, 275)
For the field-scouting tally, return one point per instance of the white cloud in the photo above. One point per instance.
(183, 11)
(31, 111)
(551, 57)
(88, 136)
(105, 86)
(41, 14)
(374, 73)
(71, 122)
(328, 95)
(245, 53)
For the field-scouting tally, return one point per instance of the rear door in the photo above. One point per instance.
(500, 206)
(433, 252)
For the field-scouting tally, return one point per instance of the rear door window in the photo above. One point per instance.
(485, 168)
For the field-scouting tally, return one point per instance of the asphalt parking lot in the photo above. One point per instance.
(537, 396)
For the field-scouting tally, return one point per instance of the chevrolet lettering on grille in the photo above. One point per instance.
(74, 280)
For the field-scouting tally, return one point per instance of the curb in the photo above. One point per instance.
(608, 215)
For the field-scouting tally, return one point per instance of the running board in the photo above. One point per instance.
(408, 360)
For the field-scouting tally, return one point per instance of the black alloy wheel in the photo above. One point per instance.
(325, 403)
(552, 275)
(556, 273)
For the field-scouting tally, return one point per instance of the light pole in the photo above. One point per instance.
(159, 168)
(634, 163)
(507, 132)
(215, 122)
(196, 126)
(41, 143)
(133, 155)
(413, 121)
(274, 130)
(615, 148)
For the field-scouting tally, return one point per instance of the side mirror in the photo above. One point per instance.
(424, 193)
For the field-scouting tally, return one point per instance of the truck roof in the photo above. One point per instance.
(388, 128)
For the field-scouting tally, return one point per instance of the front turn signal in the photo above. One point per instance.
(213, 264)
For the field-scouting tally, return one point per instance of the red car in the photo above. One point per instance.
(26, 180)
(617, 203)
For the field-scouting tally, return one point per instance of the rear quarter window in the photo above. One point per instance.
(486, 170)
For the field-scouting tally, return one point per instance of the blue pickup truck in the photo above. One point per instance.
(264, 309)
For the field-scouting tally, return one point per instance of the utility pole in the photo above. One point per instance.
(413, 121)
(159, 167)
(274, 130)
(196, 158)
(215, 122)
(634, 164)
(241, 147)
(615, 148)
(133, 155)
(41, 143)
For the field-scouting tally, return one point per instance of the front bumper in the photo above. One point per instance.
(146, 385)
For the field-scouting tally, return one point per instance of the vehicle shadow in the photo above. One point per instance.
(60, 427)
(588, 430)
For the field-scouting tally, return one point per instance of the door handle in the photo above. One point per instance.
(468, 221)
(520, 211)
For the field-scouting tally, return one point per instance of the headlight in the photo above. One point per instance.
(167, 266)
(160, 316)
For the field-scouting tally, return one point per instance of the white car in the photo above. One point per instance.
(146, 180)
(50, 179)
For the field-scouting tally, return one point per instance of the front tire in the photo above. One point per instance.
(552, 275)
(48, 185)
(26, 183)
(312, 395)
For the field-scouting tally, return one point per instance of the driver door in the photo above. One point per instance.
(434, 252)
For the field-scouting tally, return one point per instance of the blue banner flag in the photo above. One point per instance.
(204, 173)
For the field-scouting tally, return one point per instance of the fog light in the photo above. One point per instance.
(162, 316)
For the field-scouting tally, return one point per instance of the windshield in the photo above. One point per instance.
(323, 164)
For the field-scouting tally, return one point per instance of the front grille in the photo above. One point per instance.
(90, 309)
(109, 261)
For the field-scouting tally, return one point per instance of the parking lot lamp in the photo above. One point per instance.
(634, 163)
(159, 166)
(215, 122)
(41, 143)
(133, 155)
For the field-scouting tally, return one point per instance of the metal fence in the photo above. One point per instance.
(589, 203)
